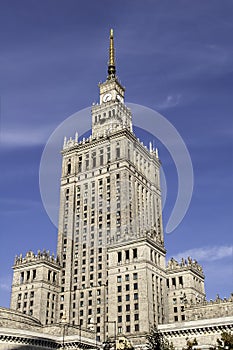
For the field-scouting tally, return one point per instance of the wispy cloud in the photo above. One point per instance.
(207, 253)
(170, 101)
(23, 137)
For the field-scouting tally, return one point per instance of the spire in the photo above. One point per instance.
(111, 62)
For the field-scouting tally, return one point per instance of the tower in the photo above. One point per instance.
(109, 276)
(185, 285)
(35, 286)
(110, 236)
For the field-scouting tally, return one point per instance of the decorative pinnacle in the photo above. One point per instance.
(111, 62)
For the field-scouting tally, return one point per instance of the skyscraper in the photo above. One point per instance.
(110, 274)
(110, 239)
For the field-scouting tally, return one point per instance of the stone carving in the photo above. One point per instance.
(30, 256)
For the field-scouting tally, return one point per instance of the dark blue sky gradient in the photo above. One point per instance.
(174, 56)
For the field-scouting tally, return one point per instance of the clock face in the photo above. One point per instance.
(107, 97)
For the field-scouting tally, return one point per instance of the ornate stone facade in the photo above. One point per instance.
(185, 284)
(203, 309)
(21, 331)
(35, 286)
(206, 331)
(110, 277)
(110, 237)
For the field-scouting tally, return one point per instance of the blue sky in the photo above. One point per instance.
(174, 56)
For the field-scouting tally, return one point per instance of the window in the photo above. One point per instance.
(119, 319)
(174, 281)
(119, 257)
(119, 309)
(87, 161)
(135, 276)
(118, 279)
(127, 297)
(136, 327)
(135, 253)
(136, 306)
(22, 277)
(181, 280)
(175, 318)
(119, 289)
(127, 287)
(127, 254)
(175, 309)
(119, 298)
(54, 277)
(127, 329)
(127, 307)
(136, 317)
(94, 160)
(135, 296)
(127, 277)
(135, 286)
(33, 274)
(118, 152)
(127, 318)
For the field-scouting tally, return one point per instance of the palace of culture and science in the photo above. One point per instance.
(109, 279)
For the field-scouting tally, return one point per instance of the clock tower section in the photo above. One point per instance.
(110, 114)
